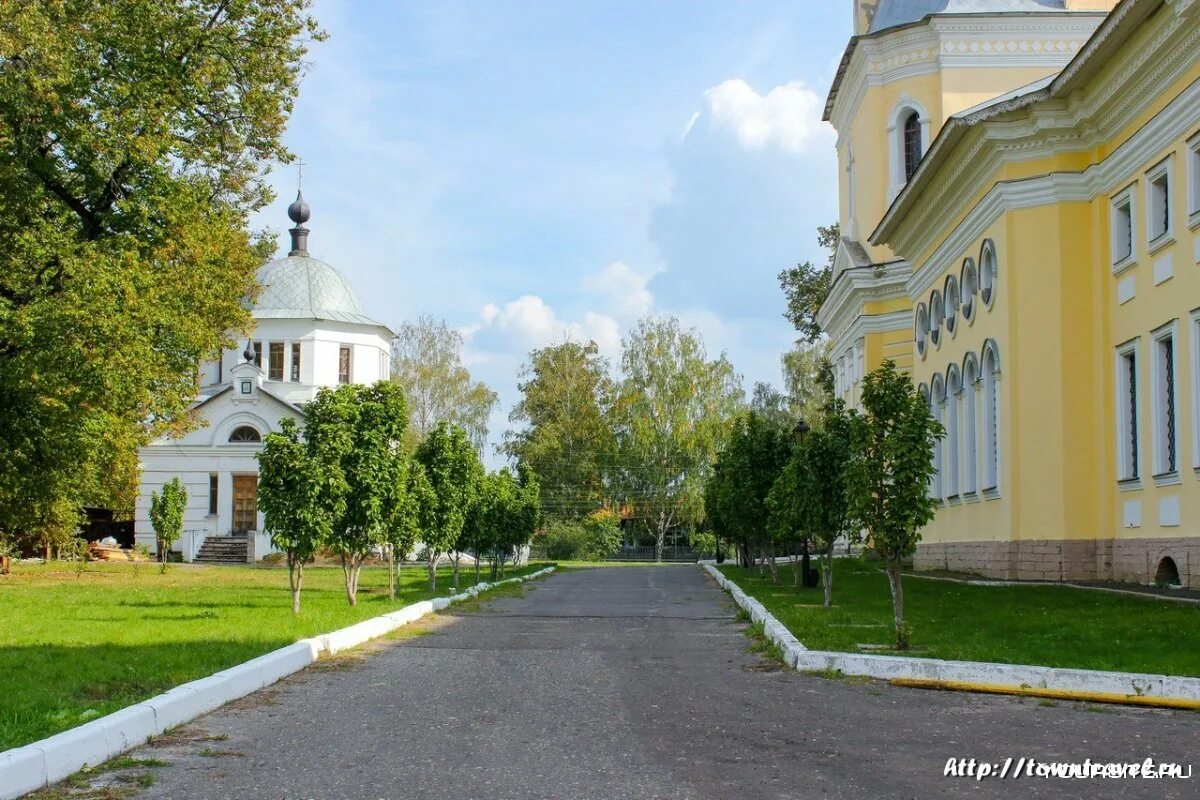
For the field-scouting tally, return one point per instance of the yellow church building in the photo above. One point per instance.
(1020, 213)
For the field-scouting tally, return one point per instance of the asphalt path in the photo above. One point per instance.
(634, 683)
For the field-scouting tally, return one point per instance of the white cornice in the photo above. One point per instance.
(1174, 122)
(970, 150)
(856, 286)
(865, 324)
(957, 42)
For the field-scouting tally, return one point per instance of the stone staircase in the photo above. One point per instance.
(222, 550)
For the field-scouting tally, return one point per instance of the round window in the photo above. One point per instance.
(921, 328)
(950, 295)
(967, 284)
(935, 318)
(987, 273)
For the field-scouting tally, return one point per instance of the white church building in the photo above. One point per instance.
(310, 332)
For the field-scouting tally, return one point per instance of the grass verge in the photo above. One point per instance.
(1053, 626)
(74, 647)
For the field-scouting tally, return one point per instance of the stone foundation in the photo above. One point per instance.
(1124, 560)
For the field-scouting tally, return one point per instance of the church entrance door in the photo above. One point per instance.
(245, 504)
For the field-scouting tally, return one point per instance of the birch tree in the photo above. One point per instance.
(673, 408)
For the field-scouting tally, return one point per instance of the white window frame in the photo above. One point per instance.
(954, 396)
(1195, 326)
(1161, 173)
(991, 422)
(895, 131)
(1193, 170)
(1129, 470)
(1126, 200)
(968, 267)
(936, 318)
(1164, 474)
(938, 404)
(970, 422)
(988, 248)
(921, 330)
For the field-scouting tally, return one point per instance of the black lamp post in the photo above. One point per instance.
(800, 431)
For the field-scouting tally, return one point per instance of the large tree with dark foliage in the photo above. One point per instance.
(134, 139)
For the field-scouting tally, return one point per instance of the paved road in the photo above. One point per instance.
(633, 683)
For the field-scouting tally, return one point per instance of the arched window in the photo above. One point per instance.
(939, 413)
(908, 136)
(950, 298)
(987, 273)
(968, 282)
(954, 398)
(912, 144)
(921, 328)
(990, 367)
(935, 318)
(244, 434)
(970, 433)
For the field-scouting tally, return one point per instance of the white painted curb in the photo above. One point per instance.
(34, 766)
(1163, 687)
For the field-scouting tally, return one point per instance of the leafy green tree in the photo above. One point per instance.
(747, 466)
(135, 139)
(358, 433)
(566, 436)
(811, 493)
(807, 285)
(302, 494)
(454, 471)
(673, 409)
(166, 516)
(427, 362)
(888, 481)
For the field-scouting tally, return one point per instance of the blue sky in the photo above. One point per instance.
(535, 170)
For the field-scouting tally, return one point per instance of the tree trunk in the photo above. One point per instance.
(432, 571)
(660, 537)
(296, 579)
(796, 574)
(350, 572)
(827, 574)
(476, 566)
(391, 572)
(457, 556)
(893, 573)
(771, 562)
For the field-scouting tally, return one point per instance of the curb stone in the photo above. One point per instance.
(34, 766)
(1130, 684)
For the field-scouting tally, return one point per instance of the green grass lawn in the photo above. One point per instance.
(75, 647)
(1047, 625)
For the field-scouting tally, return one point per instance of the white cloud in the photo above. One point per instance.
(625, 289)
(533, 323)
(787, 117)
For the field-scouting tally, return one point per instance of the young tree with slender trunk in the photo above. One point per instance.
(166, 516)
(300, 497)
(888, 481)
(748, 465)
(453, 470)
(811, 493)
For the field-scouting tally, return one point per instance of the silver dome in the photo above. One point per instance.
(303, 287)
(892, 13)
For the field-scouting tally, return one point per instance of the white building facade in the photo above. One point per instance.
(310, 332)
